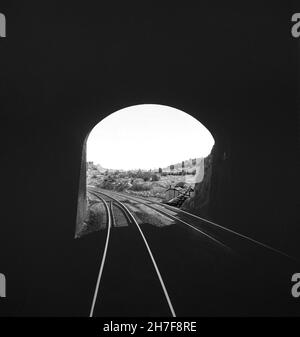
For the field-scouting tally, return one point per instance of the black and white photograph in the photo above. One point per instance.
(150, 162)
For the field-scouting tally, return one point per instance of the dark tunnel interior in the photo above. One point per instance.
(68, 67)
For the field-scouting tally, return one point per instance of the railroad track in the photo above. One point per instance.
(109, 220)
(172, 217)
(191, 265)
(131, 220)
(163, 208)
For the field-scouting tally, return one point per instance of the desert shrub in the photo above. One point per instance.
(180, 184)
(155, 177)
(120, 187)
(107, 184)
(140, 187)
(143, 175)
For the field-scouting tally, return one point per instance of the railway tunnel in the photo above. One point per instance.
(143, 136)
(241, 86)
(246, 183)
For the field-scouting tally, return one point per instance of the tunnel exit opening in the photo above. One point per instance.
(148, 151)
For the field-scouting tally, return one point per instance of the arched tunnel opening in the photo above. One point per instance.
(155, 187)
(149, 151)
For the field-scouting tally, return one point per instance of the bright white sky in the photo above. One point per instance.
(147, 136)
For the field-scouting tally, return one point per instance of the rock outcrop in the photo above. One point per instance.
(214, 187)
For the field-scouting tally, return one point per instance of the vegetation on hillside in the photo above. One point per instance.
(146, 183)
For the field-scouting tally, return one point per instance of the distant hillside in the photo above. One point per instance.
(100, 168)
(92, 166)
(188, 164)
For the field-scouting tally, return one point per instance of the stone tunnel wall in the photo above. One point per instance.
(82, 202)
(210, 193)
(199, 202)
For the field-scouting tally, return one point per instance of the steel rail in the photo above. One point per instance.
(103, 256)
(149, 251)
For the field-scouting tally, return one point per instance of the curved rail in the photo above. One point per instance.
(182, 221)
(146, 202)
(148, 249)
(103, 256)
